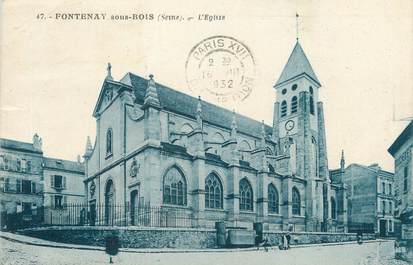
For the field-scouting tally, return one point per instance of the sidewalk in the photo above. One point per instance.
(44, 243)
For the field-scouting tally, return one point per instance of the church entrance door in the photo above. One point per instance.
(134, 204)
(109, 199)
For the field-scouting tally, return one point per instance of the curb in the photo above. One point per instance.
(158, 251)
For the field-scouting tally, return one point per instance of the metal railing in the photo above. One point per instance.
(118, 215)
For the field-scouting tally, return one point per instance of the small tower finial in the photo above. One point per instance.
(342, 161)
(151, 94)
(109, 72)
(296, 25)
(199, 113)
(233, 126)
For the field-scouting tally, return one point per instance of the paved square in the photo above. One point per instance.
(378, 253)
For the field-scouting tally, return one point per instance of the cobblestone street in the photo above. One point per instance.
(369, 253)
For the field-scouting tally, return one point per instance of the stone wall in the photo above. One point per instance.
(130, 237)
(301, 238)
(184, 238)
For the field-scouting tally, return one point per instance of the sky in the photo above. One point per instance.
(361, 51)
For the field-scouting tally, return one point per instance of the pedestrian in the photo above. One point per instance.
(288, 239)
(359, 237)
(264, 243)
(283, 243)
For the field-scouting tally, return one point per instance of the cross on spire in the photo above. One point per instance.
(109, 72)
(296, 25)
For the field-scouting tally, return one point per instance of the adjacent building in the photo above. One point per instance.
(402, 151)
(63, 182)
(30, 183)
(155, 145)
(21, 177)
(370, 197)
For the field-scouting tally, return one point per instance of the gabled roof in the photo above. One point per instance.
(180, 103)
(297, 65)
(18, 146)
(401, 139)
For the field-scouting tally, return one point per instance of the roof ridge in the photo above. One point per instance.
(13, 140)
(59, 159)
(194, 99)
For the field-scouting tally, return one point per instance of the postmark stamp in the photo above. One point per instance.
(221, 66)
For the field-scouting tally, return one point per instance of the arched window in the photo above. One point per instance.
(311, 90)
(294, 87)
(294, 105)
(283, 108)
(314, 148)
(174, 187)
(213, 192)
(268, 151)
(245, 192)
(109, 142)
(311, 105)
(273, 200)
(186, 128)
(296, 202)
(245, 149)
(333, 208)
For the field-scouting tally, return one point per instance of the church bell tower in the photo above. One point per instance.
(300, 133)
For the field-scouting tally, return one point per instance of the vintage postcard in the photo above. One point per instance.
(200, 132)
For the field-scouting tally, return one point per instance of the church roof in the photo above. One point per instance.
(180, 103)
(297, 65)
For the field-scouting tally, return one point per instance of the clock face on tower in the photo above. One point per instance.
(289, 125)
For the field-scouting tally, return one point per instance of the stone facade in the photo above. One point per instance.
(157, 146)
(25, 175)
(21, 177)
(370, 196)
(63, 182)
(402, 151)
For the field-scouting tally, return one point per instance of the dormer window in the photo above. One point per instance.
(284, 91)
(294, 87)
(284, 109)
(294, 105)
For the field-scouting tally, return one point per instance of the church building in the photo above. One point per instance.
(157, 146)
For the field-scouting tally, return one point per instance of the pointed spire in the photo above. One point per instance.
(342, 161)
(234, 126)
(151, 95)
(109, 72)
(297, 65)
(89, 148)
(199, 113)
(262, 134)
(88, 144)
